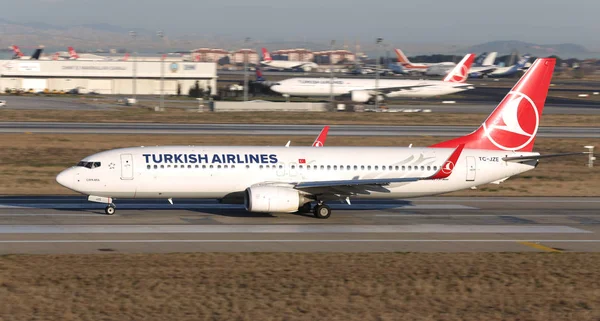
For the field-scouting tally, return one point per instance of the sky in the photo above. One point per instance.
(460, 22)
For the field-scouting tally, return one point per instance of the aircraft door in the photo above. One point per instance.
(280, 169)
(471, 168)
(126, 166)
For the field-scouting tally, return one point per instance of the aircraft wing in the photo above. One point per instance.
(345, 188)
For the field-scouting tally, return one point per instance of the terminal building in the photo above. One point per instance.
(108, 77)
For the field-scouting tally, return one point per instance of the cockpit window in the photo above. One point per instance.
(89, 165)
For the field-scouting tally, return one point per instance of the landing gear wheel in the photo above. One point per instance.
(322, 211)
(109, 210)
(305, 208)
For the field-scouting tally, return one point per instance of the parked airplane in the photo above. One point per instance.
(362, 90)
(18, 54)
(289, 179)
(498, 71)
(423, 67)
(510, 70)
(286, 64)
(84, 57)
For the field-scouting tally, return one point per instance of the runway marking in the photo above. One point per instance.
(284, 229)
(183, 206)
(304, 241)
(538, 246)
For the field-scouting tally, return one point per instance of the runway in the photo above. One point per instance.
(259, 129)
(57, 224)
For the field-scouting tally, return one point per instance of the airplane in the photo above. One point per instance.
(498, 71)
(363, 90)
(413, 68)
(290, 179)
(305, 66)
(510, 70)
(73, 55)
(18, 54)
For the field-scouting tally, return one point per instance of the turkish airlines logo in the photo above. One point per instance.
(517, 124)
(460, 75)
(448, 167)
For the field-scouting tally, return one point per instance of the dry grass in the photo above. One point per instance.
(294, 286)
(175, 115)
(29, 162)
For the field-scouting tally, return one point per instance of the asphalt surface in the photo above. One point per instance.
(480, 101)
(444, 224)
(258, 129)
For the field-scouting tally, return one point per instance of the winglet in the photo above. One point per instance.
(446, 169)
(320, 141)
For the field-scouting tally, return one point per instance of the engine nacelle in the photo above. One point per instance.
(360, 96)
(268, 199)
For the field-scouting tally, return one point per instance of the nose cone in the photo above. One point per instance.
(65, 178)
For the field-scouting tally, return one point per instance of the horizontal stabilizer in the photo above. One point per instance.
(534, 157)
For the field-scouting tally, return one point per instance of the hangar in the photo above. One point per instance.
(108, 77)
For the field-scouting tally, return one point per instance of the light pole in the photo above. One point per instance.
(133, 35)
(331, 97)
(161, 34)
(378, 43)
(246, 68)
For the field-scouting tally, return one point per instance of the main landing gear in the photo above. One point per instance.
(322, 211)
(110, 209)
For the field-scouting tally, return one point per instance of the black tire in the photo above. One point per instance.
(322, 211)
(109, 210)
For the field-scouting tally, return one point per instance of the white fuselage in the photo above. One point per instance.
(321, 87)
(288, 64)
(218, 172)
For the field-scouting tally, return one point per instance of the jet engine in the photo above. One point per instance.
(267, 199)
(360, 96)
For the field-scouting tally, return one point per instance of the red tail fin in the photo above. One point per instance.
(266, 55)
(17, 51)
(126, 57)
(73, 53)
(512, 126)
(460, 73)
(402, 57)
(320, 141)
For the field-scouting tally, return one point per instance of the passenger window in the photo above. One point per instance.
(174, 166)
(409, 168)
(267, 166)
(280, 166)
(168, 166)
(355, 167)
(428, 168)
(369, 167)
(422, 168)
(148, 166)
(293, 166)
(162, 166)
(155, 166)
(218, 166)
(328, 167)
(233, 166)
(211, 166)
(435, 168)
(376, 167)
(348, 167)
(261, 167)
(335, 167)
(189, 166)
(300, 166)
(196, 166)
(225, 166)
(322, 167)
(362, 166)
(383, 167)
(397, 167)
(204, 166)
(247, 166)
